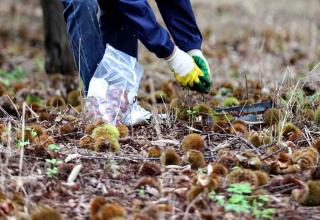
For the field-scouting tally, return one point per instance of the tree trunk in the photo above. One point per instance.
(58, 55)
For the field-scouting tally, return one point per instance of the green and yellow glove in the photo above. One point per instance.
(188, 71)
(205, 83)
(191, 79)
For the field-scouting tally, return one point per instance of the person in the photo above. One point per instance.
(123, 22)
(84, 36)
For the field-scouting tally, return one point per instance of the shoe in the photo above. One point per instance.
(137, 115)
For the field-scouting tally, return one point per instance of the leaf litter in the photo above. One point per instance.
(248, 150)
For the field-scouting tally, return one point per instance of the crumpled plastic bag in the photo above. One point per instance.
(113, 88)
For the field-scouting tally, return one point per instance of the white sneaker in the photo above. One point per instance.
(137, 115)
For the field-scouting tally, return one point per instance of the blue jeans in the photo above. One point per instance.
(88, 40)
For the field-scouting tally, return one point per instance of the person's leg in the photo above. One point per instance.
(84, 36)
(180, 20)
(116, 30)
(120, 34)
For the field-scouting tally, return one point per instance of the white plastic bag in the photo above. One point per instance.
(113, 88)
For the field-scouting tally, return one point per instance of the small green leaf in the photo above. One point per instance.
(5, 82)
(54, 147)
(236, 199)
(191, 112)
(220, 200)
(263, 198)
(34, 134)
(212, 195)
(237, 208)
(51, 172)
(33, 100)
(53, 161)
(256, 213)
(141, 192)
(268, 213)
(14, 76)
(224, 92)
(240, 188)
(22, 144)
(201, 171)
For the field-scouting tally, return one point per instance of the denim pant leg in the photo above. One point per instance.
(84, 36)
(116, 30)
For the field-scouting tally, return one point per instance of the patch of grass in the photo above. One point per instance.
(240, 200)
(16, 75)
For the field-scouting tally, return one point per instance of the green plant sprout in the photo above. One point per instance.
(201, 171)
(16, 75)
(192, 115)
(220, 116)
(54, 147)
(22, 144)
(223, 92)
(33, 132)
(240, 200)
(240, 188)
(113, 167)
(141, 192)
(33, 100)
(219, 199)
(53, 162)
(192, 112)
(38, 62)
(53, 170)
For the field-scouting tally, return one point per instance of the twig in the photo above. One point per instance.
(32, 112)
(274, 153)
(189, 206)
(20, 183)
(267, 145)
(281, 186)
(119, 158)
(9, 143)
(12, 103)
(6, 113)
(249, 145)
(287, 189)
(247, 91)
(211, 152)
(154, 109)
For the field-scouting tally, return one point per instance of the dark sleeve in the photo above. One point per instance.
(180, 20)
(149, 31)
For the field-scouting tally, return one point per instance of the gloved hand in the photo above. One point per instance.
(184, 68)
(205, 80)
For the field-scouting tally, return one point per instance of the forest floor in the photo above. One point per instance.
(258, 52)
